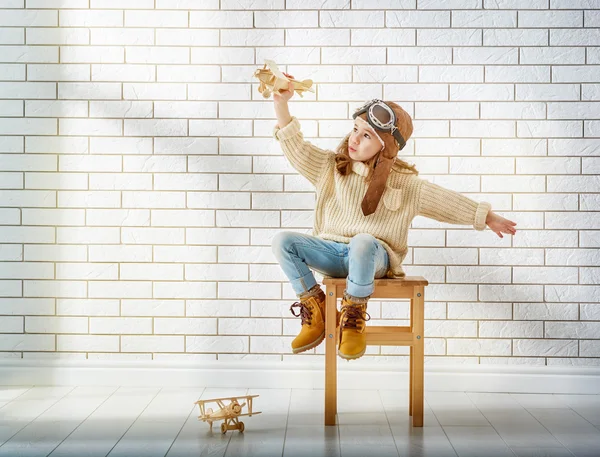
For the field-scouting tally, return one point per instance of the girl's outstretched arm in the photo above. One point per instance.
(445, 205)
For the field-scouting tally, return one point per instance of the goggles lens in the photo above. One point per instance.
(380, 115)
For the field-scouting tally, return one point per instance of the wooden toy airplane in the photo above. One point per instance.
(227, 413)
(273, 80)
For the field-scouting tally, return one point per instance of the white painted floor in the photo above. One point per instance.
(126, 421)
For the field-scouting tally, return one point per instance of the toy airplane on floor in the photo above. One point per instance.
(273, 80)
(227, 413)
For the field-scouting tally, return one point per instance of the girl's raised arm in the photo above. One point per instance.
(309, 160)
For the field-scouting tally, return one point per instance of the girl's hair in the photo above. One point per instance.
(344, 161)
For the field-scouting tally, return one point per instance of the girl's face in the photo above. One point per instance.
(362, 144)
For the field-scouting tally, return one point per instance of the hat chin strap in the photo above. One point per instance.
(377, 185)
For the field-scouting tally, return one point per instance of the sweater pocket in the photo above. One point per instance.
(392, 198)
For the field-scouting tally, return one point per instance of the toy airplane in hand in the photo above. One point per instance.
(273, 80)
(227, 413)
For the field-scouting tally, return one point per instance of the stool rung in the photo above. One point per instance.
(387, 335)
(388, 329)
(399, 292)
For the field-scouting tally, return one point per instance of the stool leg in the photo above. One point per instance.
(418, 355)
(410, 383)
(330, 357)
(411, 361)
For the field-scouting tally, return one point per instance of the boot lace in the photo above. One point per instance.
(304, 312)
(353, 317)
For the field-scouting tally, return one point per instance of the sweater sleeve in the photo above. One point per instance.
(305, 157)
(445, 205)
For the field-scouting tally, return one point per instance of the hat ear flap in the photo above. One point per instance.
(378, 159)
(391, 146)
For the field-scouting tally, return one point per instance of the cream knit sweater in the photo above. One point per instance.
(338, 215)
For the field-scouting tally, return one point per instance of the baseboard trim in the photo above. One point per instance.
(472, 378)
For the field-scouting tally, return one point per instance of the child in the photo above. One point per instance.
(356, 235)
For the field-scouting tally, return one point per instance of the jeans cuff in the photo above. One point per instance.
(303, 284)
(357, 290)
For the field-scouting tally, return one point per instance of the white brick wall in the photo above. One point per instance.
(140, 187)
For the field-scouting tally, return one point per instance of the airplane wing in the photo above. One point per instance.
(249, 414)
(228, 398)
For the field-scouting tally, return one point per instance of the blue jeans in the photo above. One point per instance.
(362, 261)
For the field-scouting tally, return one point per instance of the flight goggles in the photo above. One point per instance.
(381, 117)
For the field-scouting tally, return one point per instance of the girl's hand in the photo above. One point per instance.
(284, 95)
(500, 225)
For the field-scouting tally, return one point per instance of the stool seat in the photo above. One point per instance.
(411, 287)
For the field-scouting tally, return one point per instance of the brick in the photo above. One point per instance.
(91, 18)
(58, 36)
(126, 36)
(122, 73)
(31, 18)
(22, 90)
(58, 72)
(92, 54)
(92, 127)
(25, 126)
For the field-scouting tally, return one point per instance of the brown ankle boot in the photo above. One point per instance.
(312, 312)
(353, 317)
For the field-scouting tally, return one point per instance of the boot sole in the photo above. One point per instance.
(353, 356)
(314, 344)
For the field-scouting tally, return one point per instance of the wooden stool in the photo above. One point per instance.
(412, 287)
